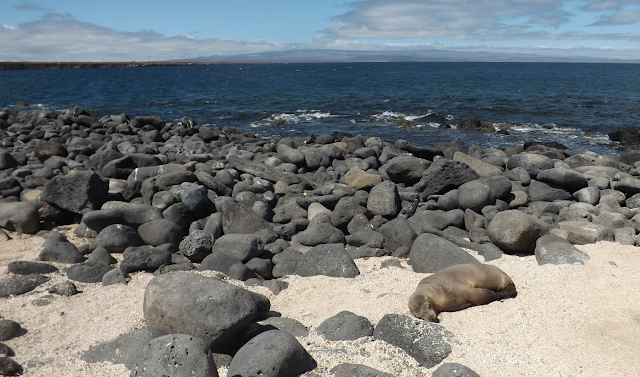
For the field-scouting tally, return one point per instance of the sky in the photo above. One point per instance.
(150, 30)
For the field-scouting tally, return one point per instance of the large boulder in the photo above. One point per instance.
(187, 303)
(317, 234)
(384, 199)
(431, 253)
(159, 232)
(125, 349)
(444, 175)
(116, 238)
(475, 195)
(132, 215)
(540, 191)
(533, 163)
(242, 246)
(346, 208)
(406, 169)
(57, 248)
(345, 326)
(20, 217)
(21, 284)
(551, 249)
(357, 370)
(328, 260)
(516, 232)
(237, 218)
(581, 232)
(397, 233)
(196, 246)
(78, 193)
(566, 178)
(176, 355)
(273, 353)
(426, 342)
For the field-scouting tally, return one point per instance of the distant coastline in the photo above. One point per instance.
(66, 65)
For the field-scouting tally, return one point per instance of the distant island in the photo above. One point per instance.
(60, 65)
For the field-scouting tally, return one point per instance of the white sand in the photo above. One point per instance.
(566, 320)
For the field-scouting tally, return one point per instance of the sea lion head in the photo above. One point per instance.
(421, 308)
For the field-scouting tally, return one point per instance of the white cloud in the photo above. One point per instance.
(490, 20)
(70, 40)
(621, 17)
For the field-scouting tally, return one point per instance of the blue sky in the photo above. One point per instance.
(117, 30)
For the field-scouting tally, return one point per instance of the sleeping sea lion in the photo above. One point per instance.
(459, 287)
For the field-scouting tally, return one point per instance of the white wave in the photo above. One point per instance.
(548, 128)
(388, 116)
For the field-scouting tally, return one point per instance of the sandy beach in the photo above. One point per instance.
(566, 320)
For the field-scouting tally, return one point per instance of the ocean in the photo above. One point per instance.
(535, 101)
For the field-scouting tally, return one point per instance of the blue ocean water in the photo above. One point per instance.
(541, 101)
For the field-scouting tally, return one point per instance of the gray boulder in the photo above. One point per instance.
(454, 370)
(117, 237)
(582, 232)
(426, 342)
(590, 195)
(289, 325)
(9, 329)
(197, 201)
(237, 218)
(318, 234)
(444, 175)
(406, 169)
(628, 185)
(397, 233)
(489, 251)
(144, 258)
(357, 370)
(273, 353)
(184, 302)
(346, 208)
(431, 253)
(159, 232)
(21, 284)
(366, 237)
(474, 195)
(219, 261)
(196, 246)
(125, 349)
(292, 155)
(539, 191)
(88, 272)
(518, 174)
(242, 246)
(533, 163)
(115, 276)
(101, 255)
(345, 326)
(57, 248)
(79, 192)
(551, 249)
(328, 260)
(20, 217)
(625, 236)
(176, 355)
(28, 268)
(516, 232)
(384, 199)
(566, 178)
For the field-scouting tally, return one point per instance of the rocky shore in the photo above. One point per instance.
(200, 208)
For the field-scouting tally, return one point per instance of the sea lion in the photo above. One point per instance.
(459, 287)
